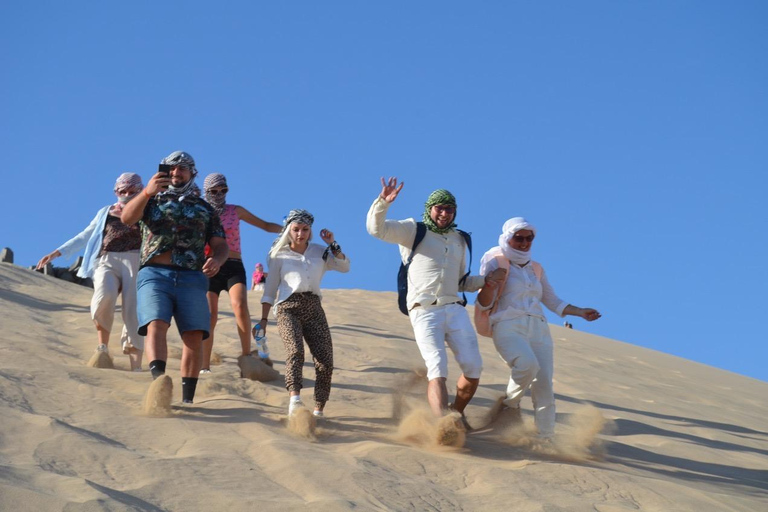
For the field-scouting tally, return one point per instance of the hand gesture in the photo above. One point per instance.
(590, 314)
(327, 236)
(157, 183)
(495, 277)
(390, 189)
(48, 257)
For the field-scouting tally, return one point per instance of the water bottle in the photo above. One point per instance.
(260, 337)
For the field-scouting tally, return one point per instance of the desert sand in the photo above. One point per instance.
(637, 429)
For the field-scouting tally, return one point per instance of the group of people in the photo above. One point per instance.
(170, 251)
(511, 288)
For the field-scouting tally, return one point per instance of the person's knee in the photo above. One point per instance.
(526, 365)
(193, 339)
(471, 366)
(437, 371)
(324, 362)
(239, 305)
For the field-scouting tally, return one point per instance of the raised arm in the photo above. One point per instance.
(337, 259)
(393, 231)
(134, 210)
(253, 220)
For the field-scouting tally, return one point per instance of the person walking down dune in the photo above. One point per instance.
(231, 277)
(512, 312)
(434, 280)
(176, 224)
(296, 268)
(258, 278)
(111, 259)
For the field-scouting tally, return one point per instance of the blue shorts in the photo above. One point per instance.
(164, 292)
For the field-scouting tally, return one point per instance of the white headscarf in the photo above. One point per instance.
(509, 229)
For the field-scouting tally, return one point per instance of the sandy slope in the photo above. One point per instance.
(682, 436)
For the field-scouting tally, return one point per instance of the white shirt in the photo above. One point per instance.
(437, 265)
(523, 292)
(291, 272)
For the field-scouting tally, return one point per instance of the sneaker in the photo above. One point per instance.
(318, 414)
(102, 348)
(294, 406)
(205, 371)
(137, 370)
(186, 401)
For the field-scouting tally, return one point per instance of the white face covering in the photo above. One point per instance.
(511, 227)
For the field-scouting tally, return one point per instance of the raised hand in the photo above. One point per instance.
(157, 183)
(327, 236)
(390, 189)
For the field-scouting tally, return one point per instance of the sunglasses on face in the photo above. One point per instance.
(521, 238)
(218, 191)
(445, 209)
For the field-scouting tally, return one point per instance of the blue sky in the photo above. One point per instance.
(632, 134)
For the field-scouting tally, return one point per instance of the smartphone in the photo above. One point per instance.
(164, 169)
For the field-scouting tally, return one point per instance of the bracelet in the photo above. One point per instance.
(264, 318)
(144, 191)
(335, 247)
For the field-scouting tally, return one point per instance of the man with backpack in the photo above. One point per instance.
(434, 273)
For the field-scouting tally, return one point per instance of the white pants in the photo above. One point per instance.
(433, 327)
(525, 344)
(115, 274)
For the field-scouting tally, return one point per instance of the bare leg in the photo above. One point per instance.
(465, 390)
(156, 343)
(102, 334)
(239, 299)
(213, 306)
(135, 355)
(437, 396)
(191, 353)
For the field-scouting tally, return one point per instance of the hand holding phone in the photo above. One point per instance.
(165, 169)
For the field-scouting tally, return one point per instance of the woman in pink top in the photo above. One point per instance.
(231, 277)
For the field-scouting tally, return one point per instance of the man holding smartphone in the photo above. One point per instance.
(176, 224)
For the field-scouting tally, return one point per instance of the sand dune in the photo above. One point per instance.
(637, 429)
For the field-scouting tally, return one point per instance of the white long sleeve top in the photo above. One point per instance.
(291, 272)
(523, 292)
(438, 264)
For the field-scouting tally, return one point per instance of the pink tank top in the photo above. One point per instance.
(231, 223)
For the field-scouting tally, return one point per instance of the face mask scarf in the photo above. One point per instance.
(440, 196)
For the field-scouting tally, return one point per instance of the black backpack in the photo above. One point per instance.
(402, 274)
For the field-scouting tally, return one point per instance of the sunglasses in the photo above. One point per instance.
(218, 191)
(445, 209)
(521, 238)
